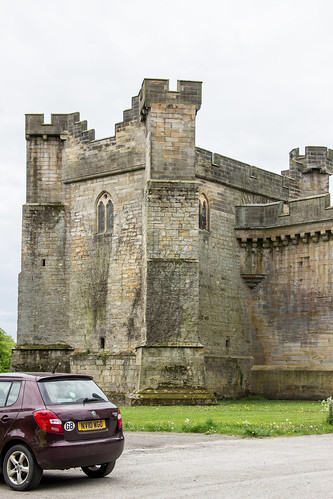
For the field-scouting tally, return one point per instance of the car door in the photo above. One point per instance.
(10, 405)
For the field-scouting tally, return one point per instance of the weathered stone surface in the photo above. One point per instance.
(294, 383)
(158, 307)
(43, 358)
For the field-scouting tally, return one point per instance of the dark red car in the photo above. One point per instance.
(55, 421)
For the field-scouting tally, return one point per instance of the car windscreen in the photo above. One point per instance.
(70, 391)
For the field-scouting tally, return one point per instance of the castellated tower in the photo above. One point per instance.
(169, 273)
(110, 266)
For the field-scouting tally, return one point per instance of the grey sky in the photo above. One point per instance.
(266, 68)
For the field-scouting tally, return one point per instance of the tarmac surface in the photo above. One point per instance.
(164, 465)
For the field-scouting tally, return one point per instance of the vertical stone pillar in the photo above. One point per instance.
(171, 360)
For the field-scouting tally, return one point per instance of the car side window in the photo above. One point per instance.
(4, 389)
(9, 392)
(13, 393)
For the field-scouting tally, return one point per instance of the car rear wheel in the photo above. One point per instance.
(99, 470)
(20, 469)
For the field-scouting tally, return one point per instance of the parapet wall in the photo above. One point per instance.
(248, 178)
(298, 211)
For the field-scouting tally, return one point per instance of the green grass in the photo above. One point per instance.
(246, 417)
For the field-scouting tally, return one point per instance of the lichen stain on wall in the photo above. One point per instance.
(92, 287)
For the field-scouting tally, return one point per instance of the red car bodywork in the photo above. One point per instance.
(60, 448)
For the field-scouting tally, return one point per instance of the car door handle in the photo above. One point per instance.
(5, 418)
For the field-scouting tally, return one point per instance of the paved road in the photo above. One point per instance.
(166, 465)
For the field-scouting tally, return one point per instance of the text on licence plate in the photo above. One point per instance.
(95, 424)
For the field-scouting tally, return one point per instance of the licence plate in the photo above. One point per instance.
(95, 424)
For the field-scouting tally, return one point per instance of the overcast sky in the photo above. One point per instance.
(266, 68)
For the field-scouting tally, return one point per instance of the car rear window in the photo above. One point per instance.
(70, 391)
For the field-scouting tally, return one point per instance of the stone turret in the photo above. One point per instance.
(170, 124)
(45, 145)
(312, 169)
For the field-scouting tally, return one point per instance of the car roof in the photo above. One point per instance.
(39, 376)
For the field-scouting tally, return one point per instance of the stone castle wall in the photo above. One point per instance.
(155, 307)
(291, 306)
(78, 287)
(106, 269)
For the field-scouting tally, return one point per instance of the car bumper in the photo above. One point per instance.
(64, 454)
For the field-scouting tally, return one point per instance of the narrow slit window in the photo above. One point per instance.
(203, 213)
(204, 216)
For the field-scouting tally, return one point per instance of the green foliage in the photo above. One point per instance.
(208, 426)
(328, 408)
(6, 345)
(252, 417)
(252, 430)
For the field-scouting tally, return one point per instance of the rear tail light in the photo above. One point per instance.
(48, 421)
(120, 421)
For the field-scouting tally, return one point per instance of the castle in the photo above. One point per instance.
(171, 274)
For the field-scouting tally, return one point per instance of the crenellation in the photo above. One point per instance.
(311, 170)
(34, 125)
(88, 135)
(157, 91)
(315, 157)
(133, 113)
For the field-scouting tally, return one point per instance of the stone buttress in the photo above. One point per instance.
(171, 357)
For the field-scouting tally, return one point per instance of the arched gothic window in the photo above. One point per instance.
(203, 213)
(104, 214)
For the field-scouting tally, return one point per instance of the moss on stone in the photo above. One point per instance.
(168, 394)
(54, 346)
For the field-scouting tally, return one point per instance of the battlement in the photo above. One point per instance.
(130, 114)
(60, 126)
(157, 91)
(224, 170)
(152, 91)
(315, 158)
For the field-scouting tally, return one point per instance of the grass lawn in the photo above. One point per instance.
(246, 417)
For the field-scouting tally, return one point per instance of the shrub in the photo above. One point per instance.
(6, 345)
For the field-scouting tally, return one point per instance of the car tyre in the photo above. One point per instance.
(20, 469)
(99, 470)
